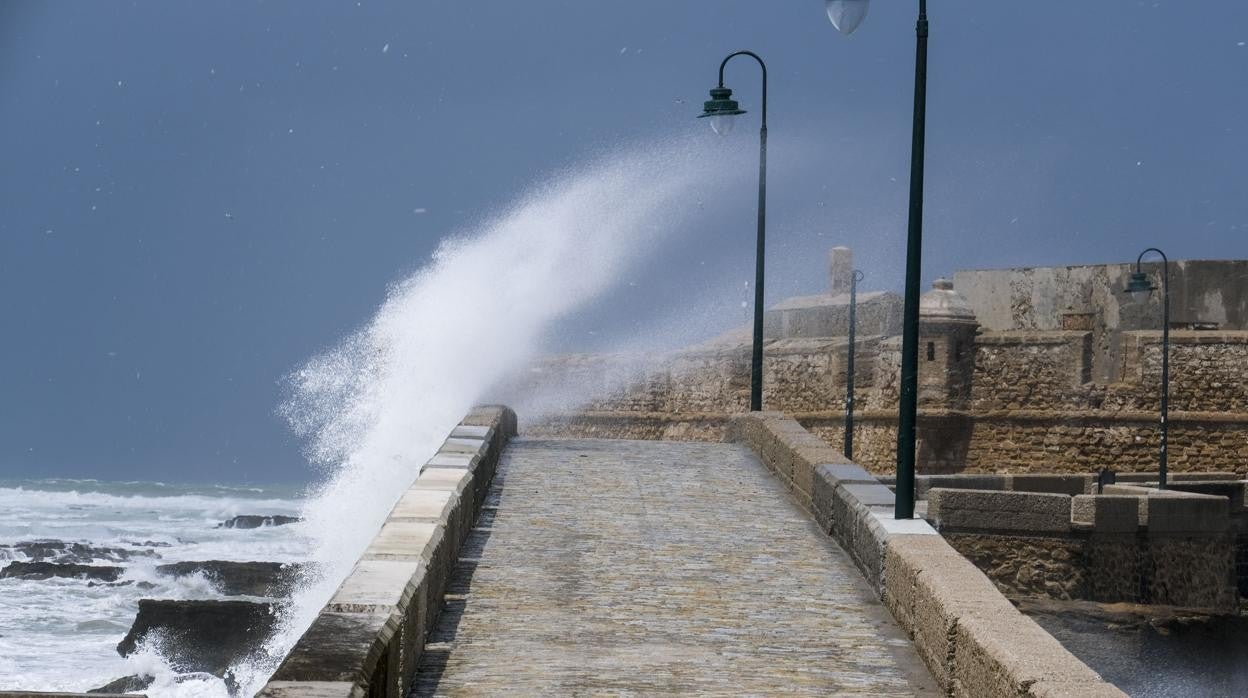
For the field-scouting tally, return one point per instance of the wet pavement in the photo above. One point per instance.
(642, 567)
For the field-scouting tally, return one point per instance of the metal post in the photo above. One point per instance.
(1163, 460)
(756, 358)
(908, 409)
(854, 278)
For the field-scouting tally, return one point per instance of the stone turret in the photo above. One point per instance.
(947, 328)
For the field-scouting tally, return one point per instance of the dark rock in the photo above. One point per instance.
(201, 636)
(50, 550)
(128, 582)
(126, 684)
(149, 544)
(256, 521)
(240, 578)
(47, 570)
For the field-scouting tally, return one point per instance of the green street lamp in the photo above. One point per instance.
(849, 364)
(721, 109)
(846, 16)
(1140, 288)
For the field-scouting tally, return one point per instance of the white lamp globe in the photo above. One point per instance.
(846, 15)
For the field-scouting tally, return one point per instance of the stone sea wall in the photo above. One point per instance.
(369, 637)
(1024, 401)
(974, 641)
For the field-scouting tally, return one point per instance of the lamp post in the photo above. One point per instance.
(849, 364)
(720, 109)
(846, 15)
(1140, 288)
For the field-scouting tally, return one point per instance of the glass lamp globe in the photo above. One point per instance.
(846, 15)
(722, 123)
(1139, 287)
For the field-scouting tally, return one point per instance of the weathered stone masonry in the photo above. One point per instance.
(1012, 401)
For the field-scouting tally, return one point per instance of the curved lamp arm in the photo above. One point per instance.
(761, 64)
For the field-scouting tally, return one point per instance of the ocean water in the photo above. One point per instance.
(61, 634)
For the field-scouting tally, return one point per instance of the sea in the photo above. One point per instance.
(61, 634)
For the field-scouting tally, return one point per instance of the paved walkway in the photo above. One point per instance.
(642, 567)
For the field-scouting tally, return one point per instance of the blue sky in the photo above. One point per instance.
(197, 196)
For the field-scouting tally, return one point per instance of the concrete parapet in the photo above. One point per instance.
(924, 483)
(1233, 490)
(368, 638)
(1105, 513)
(1030, 512)
(974, 641)
(1191, 514)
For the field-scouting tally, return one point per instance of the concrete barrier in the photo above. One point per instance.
(970, 636)
(368, 638)
(987, 510)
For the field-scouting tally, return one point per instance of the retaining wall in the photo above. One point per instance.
(1132, 544)
(369, 637)
(974, 641)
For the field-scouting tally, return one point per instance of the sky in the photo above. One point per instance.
(195, 197)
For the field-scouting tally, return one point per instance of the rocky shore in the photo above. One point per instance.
(195, 636)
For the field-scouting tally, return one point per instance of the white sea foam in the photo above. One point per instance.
(44, 621)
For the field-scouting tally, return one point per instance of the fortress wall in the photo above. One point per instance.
(369, 637)
(1031, 407)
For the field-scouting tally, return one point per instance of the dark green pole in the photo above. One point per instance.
(849, 365)
(756, 359)
(1165, 362)
(908, 410)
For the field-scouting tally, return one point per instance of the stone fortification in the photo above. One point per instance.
(1130, 544)
(369, 637)
(1211, 294)
(990, 401)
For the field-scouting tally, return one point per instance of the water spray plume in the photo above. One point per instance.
(377, 406)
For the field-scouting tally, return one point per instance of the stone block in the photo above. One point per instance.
(469, 431)
(339, 647)
(425, 505)
(377, 586)
(1106, 513)
(822, 498)
(984, 510)
(1191, 514)
(1232, 490)
(845, 472)
(452, 460)
(871, 495)
(311, 689)
(1055, 484)
(1002, 655)
(402, 540)
(460, 445)
(925, 483)
(453, 479)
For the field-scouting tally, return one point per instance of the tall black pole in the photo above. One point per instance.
(756, 360)
(908, 410)
(854, 278)
(1165, 362)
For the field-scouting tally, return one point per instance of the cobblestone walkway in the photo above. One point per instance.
(641, 567)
